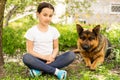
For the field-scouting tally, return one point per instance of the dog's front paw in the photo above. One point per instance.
(76, 51)
(88, 66)
(92, 68)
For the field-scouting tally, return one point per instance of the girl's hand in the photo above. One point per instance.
(50, 59)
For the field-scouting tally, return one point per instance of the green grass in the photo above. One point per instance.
(76, 71)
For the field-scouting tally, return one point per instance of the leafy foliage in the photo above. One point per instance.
(13, 38)
(68, 36)
(12, 41)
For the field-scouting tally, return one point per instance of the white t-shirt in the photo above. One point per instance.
(43, 41)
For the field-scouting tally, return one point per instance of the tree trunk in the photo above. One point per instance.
(2, 7)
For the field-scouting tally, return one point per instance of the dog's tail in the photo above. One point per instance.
(109, 49)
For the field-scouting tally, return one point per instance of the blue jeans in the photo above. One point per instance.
(38, 64)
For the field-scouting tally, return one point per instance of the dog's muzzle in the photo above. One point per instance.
(86, 47)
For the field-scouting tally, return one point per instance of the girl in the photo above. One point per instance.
(42, 46)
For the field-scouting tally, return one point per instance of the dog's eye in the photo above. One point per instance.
(82, 37)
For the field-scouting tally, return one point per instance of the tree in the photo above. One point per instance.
(2, 7)
(75, 7)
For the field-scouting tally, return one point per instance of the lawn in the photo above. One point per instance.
(16, 70)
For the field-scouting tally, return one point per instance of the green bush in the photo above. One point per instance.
(68, 36)
(13, 40)
(13, 35)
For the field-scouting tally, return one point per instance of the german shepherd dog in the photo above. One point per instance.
(92, 46)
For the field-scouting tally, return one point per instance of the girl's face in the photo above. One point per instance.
(45, 16)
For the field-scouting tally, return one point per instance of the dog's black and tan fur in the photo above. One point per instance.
(92, 46)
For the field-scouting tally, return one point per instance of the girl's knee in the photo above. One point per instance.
(71, 55)
(26, 57)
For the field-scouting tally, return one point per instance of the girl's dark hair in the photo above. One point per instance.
(44, 5)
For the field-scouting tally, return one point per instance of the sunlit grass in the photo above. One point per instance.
(15, 71)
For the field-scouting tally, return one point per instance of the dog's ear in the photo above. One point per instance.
(79, 28)
(96, 30)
